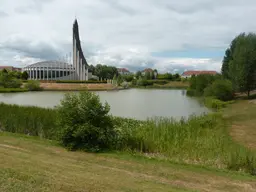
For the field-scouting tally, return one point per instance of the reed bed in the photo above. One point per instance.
(33, 121)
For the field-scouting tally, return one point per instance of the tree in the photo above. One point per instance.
(138, 74)
(148, 76)
(24, 75)
(84, 123)
(242, 66)
(220, 89)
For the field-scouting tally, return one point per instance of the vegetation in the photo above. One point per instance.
(32, 85)
(220, 89)
(239, 63)
(103, 71)
(12, 90)
(84, 123)
(87, 82)
(30, 164)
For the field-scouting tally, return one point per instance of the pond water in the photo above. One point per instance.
(131, 103)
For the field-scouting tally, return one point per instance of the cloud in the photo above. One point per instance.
(3, 14)
(163, 34)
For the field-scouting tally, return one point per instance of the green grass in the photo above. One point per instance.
(31, 164)
(203, 140)
(12, 90)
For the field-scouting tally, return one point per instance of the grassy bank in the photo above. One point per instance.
(201, 140)
(12, 90)
(30, 164)
(168, 85)
(76, 87)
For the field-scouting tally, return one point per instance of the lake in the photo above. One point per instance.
(131, 103)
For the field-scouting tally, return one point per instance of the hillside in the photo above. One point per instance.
(29, 164)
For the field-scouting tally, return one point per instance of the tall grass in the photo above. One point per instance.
(28, 120)
(199, 140)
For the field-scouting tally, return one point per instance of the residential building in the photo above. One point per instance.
(151, 71)
(123, 71)
(188, 74)
(10, 68)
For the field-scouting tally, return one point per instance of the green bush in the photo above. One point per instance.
(191, 92)
(13, 83)
(32, 85)
(220, 89)
(158, 82)
(87, 82)
(85, 123)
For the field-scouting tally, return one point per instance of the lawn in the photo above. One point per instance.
(30, 164)
(242, 118)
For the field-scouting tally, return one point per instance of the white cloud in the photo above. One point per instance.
(123, 33)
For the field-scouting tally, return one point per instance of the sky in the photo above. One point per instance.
(170, 36)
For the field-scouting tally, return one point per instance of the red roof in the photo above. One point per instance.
(148, 70)
(11, 68)
(188, 73)
(123, 70)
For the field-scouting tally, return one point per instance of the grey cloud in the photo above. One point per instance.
(42, 50)
(34, 6)
(120, 7)
(3, 14)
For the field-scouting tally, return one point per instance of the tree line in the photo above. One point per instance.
(238, 72)
(239, 63)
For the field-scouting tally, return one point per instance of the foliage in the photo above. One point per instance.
(199, 83)
(12, 90)
(199, 140)
(24, 75)
(143, 82)
(148, 75)
(128, 78)
(87, 82)
(214, 103)
(239, 63)
(8, 80)
(85, 123)
(119, 80)
(138, 74)
(166, 76)
(33, 85)
(28, 120)
(220, 89)
(105, 72)
(158, 82)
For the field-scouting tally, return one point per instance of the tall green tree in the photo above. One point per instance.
(242, 66)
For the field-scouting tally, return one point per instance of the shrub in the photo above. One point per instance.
(32, 85)
(220, 89)
(191, 92)
(13, 83)
(87, 82)
(85, 123)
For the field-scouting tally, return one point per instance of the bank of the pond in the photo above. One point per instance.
(202, 140)
(13, 90)
(168, 85)
(78, 87)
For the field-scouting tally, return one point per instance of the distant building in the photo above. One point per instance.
(10, 68)
(151, 71)
(123, 71)
(188, 74)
